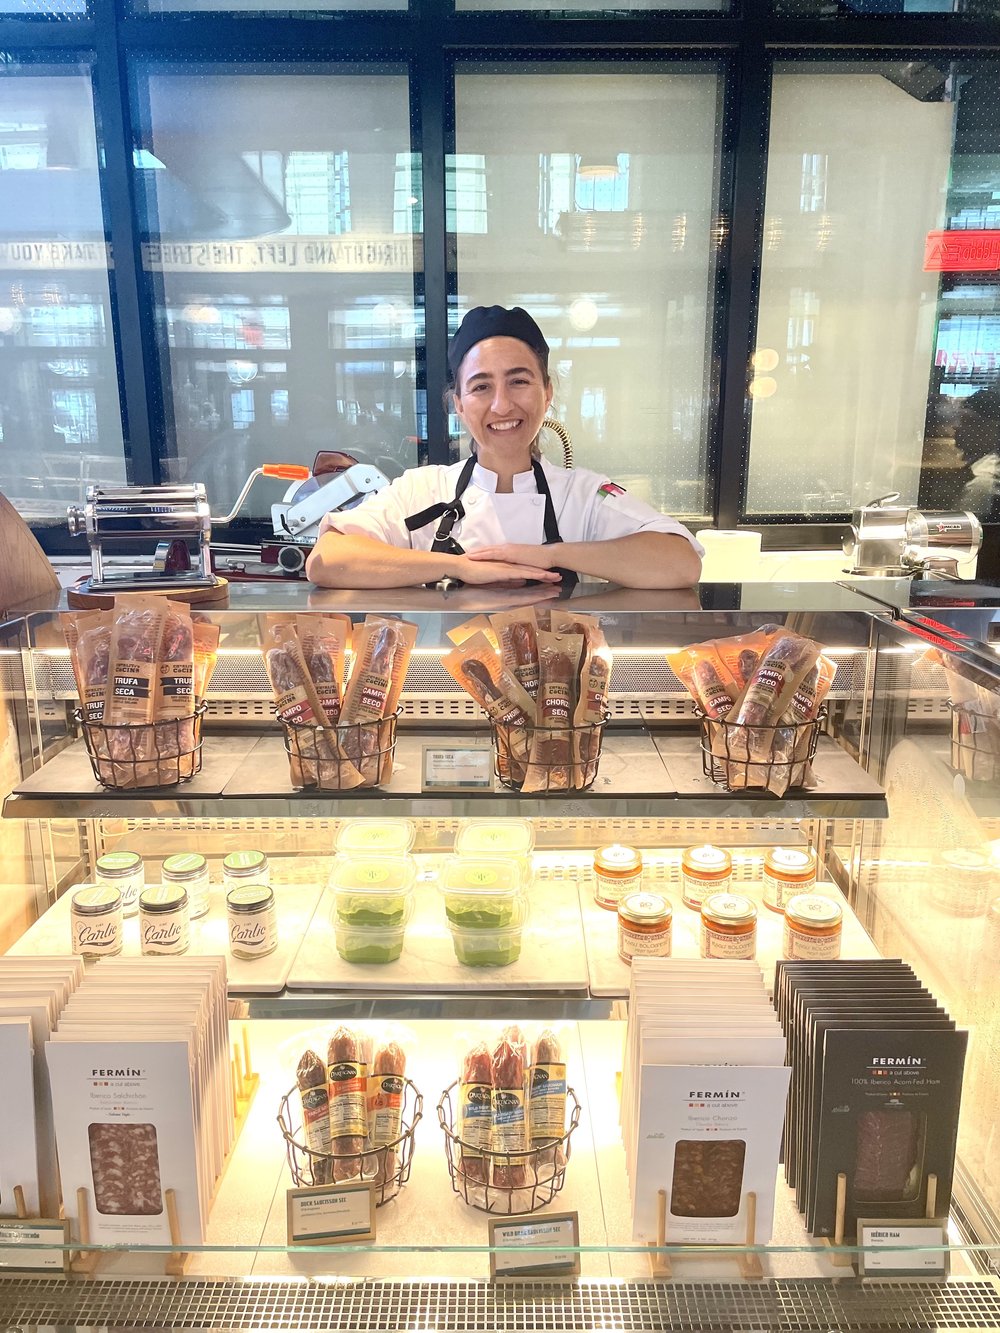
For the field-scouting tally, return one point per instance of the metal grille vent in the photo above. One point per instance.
(465, 1307)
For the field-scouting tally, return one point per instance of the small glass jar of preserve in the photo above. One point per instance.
(728, 926)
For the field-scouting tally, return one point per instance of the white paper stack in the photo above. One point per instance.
(703, 1099)
(142, 1092)
(33, 992)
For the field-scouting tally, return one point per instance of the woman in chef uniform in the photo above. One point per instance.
(503, 515)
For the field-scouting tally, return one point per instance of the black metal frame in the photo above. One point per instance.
(429, 38)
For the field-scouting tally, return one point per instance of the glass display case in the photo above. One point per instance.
(901, 812)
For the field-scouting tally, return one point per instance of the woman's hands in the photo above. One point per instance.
(539, 560)
(499, 565)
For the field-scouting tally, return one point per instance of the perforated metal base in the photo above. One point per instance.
(466, 1307)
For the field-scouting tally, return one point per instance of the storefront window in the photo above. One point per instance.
(60, 426)
(590, 196)
(275, 225)
(878, 339)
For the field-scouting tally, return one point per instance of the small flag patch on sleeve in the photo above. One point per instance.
(610, 488)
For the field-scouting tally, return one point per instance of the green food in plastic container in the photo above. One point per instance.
(487, 948)
(482, 912)
(370, 909)
(368, 944)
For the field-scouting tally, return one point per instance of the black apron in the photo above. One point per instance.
(452, 511)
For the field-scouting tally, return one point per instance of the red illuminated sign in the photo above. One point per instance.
(962, 251)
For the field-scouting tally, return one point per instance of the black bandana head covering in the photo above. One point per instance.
(495, 322)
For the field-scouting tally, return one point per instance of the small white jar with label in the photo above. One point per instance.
(250, 867)
(191, 870)
(164, 924)
(645, 927)
(253, 926)
(728, 926)
(125, 872)
(96, 921)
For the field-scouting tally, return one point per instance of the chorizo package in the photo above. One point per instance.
(547, 1098)
(741, 653)
(324, 641)
(475, 1113)
(706, 678)
(480, 673)
(295, 698)
(758, 713)
(510, 1121)
(477, 625)
(516, 636)
(347, 1076)
(551, 763)
(175, 728)
(314, 1093)
(805, 706)
(88, 635)
(386, 1084)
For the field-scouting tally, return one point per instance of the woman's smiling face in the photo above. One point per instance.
(502, 397)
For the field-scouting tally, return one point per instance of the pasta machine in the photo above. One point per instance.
(888, 540)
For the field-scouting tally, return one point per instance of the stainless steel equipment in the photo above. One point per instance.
(888, 540)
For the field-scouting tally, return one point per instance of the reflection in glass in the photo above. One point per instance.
(60, 425)
(589, 197)
(884, 354)
(279, 220)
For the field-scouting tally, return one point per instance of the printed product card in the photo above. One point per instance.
(18, 1142)
(708, 1136)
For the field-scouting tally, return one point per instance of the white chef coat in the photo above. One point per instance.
(588, 507)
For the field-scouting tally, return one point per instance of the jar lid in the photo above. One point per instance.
(244, 861)
(617, 857)
(163, 898)
(119, 863)
(495, 837)
(96, 899)
(480, 874)
(812, 909)
(792, 862)
(961, 858)
(376, 835)
(249, 897)
(707, 861)
(644, 908)
(729, 909)
(185, 863)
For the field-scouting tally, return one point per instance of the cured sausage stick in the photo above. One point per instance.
(315, 1095)
(385, 1106)
(510, 1127)
(547, 1099)
(475, 1113)
(347, 1076)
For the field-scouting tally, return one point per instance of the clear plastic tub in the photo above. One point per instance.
(373, 891)
(481, 893)
(487, 948)
(369, 944)
(510, 839)
(376, 837)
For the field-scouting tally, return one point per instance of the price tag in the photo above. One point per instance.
(18, 1240)
(331, 1214)
(881, 1255)
(548, 1233)
(465, 767)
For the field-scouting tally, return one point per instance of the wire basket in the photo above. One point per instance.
(387, 1166)
(358, 754)
(547, 759)
(773, 758)
(147, 754)
(975, 742)
(528, 1180)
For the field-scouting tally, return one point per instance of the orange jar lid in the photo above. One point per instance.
(707, 862)
(729, 909)
(790, 863)
(617, 859)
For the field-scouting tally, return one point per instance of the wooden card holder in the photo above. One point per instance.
(245, 1083)
(838, 1258)
(749, 1265)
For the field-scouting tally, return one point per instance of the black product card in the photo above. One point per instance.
(889, 1110)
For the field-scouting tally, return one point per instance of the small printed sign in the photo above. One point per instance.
(895, 1247)
(331, 1214)
(457, 768)
(553, 1235)
(18, 1239)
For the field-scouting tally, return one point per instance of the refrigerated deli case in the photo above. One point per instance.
(896, 815)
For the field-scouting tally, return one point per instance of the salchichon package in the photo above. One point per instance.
(338, 723)
(141, 670)
(544, 689)
(758, 693)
